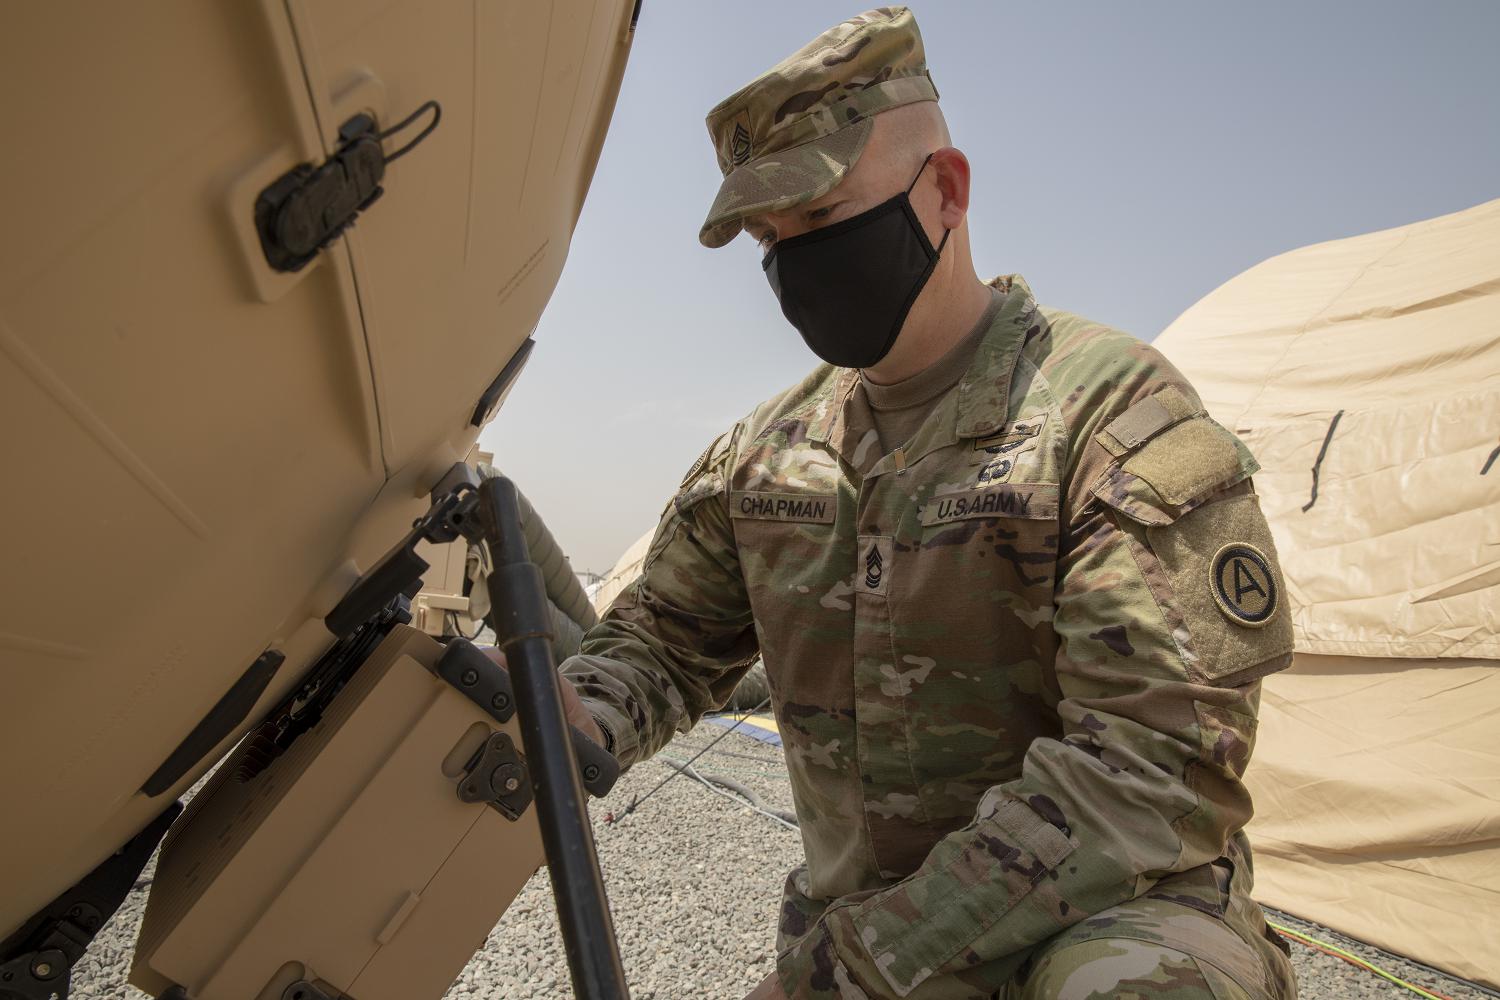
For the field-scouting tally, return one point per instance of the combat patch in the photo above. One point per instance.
(1244, 586)
(805, 508)
(1030, 501)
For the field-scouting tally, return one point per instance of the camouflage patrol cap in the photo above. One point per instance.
(792, 134)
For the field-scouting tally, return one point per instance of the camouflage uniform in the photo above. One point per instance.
(1015, 663)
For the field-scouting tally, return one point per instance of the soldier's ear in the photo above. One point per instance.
(951, 171)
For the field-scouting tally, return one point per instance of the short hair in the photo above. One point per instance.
(914, 129)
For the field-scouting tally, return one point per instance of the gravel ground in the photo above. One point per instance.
(694, 881)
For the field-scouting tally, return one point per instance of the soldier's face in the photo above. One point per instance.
(883, 171)
(879, 174)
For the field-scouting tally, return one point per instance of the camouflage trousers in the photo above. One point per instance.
(1195, 936)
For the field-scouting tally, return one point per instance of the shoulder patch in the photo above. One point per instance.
(1244, 584)
(703, 460)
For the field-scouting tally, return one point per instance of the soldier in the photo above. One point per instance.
(1010, 582)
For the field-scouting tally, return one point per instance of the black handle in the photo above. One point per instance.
(477, 677)
(523, 630)
(598, 766)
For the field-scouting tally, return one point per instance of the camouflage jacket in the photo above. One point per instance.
(1015, 665)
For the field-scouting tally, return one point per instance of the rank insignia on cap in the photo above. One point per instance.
(1244, 585)
(739, 145)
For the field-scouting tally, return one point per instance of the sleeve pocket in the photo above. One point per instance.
(1175, 472)
(916, 928)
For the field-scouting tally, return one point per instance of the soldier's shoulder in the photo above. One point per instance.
(809, 400)
(1098, 371)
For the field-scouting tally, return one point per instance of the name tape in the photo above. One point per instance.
(1034, 502)
(807, 508)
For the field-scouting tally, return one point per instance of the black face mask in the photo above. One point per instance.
(848, 287)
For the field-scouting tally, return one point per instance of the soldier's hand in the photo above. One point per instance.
(578, 716)
(769, 989)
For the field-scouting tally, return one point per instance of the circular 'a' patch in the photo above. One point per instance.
(1244, 584)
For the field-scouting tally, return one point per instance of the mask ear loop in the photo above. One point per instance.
(946, 232)
(919, 171)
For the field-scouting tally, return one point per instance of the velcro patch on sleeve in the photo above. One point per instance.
(707, 485)
(804, 508)
(1190, 459)
(1146, 419)
(1030, 501)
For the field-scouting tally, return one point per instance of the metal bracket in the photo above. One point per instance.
(497, 777)
(39, 957)
(400, 570)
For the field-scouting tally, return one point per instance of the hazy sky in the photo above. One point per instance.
(1128, 158)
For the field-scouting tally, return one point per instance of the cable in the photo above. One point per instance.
(637, 802)
(1332, 949)
(437, 116)
(458, 629)
(736, 792)
(1404, 959)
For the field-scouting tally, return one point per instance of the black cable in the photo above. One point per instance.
(639, 801)
(458, 629)
(425, 106)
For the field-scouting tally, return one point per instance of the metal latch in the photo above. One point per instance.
(496, 776)
(308, 207)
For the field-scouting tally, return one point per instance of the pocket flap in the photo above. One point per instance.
(917, 927)
(1175, 471)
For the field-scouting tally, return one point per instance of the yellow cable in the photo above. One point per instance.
(1308, 938)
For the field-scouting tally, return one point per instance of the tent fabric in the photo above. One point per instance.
(1396, 335)
(1377, 804)
(1365, 376)
(622, 574)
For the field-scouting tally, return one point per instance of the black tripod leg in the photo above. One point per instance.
(523, 630)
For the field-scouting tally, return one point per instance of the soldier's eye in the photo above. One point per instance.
(820, 213)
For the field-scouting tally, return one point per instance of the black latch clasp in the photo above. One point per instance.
(497, 776)
(307, 208)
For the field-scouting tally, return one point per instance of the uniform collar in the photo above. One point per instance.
(974, 408)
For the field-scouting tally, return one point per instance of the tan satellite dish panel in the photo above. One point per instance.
(350, 861)
(202, 453)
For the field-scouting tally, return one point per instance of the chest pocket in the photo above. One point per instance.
(1183, 482)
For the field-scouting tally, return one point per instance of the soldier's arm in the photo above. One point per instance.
(1159, 688)
(679, 638)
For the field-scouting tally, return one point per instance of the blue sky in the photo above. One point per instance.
(1128, 158)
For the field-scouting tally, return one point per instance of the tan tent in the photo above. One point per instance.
(622, 574)
(1365, 376)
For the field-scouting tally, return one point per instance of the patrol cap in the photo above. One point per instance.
(791, 135)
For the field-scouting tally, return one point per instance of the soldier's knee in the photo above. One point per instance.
(1102, 968)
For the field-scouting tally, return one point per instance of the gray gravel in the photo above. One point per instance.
(694, 882)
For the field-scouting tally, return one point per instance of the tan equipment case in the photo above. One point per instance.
(350, 863)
